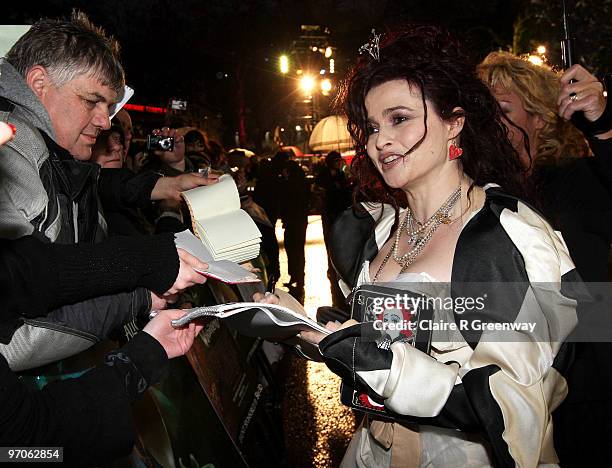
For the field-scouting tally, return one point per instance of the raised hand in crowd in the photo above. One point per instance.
(581, 91)
(176, 157)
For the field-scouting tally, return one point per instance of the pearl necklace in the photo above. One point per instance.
(420, 236)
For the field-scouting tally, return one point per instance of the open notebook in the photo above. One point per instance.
(227, 231)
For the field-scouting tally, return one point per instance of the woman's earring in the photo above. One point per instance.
(454, 152)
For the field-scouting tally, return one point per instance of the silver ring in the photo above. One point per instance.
(573, 96)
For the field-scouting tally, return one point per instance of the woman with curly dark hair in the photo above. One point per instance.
(437, 201)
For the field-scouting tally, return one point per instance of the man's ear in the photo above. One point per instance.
(38, 80)
(456, 123)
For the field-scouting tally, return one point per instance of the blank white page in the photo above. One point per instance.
(211, 200)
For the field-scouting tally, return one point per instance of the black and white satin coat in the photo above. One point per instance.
(505, 391)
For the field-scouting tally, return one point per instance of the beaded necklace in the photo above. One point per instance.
(420, 236)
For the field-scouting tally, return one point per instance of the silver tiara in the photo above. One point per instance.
(372, 46)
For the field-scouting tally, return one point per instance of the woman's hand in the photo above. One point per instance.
(584, 95)
(175, 341)
(267, 298)
(314, 337)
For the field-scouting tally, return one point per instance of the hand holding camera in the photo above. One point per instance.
(168, 145)
(161, 140)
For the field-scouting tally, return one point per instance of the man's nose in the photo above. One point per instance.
(101, 119)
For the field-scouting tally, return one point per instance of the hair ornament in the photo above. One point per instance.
(372, 46)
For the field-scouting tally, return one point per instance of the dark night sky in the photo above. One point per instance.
(184, 48)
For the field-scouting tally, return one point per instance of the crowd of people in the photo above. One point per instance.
(488, 174)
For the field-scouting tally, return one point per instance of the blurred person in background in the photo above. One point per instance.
(336, 191)
(238, 167)
(109, 150)
(124, 120)
(294, 199)
(551, 117)
(196, 146)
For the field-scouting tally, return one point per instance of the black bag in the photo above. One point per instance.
(367, 300)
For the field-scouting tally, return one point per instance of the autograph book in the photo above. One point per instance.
(226, 230)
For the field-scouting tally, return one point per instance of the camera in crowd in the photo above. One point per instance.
(160, 143)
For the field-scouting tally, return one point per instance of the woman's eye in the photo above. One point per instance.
(370, 129)
(398, 119)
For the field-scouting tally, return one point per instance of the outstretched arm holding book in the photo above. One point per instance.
(282, 298)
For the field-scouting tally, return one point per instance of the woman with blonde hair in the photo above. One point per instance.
(575, 194)
(517, 83)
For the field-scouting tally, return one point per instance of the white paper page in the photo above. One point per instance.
(212, 200)
(238, 255)
(229, 229)
(9, 34)
(226, 271)
(127, 95)
(251, 244)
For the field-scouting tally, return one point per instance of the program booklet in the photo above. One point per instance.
(226, 230)
(268, 321)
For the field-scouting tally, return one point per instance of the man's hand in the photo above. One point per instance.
(187, 276)
(158, 302)
(175, 341)
(585, 94)
(170, 188)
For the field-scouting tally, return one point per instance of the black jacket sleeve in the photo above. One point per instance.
(65, 274)
(36, 277)
(90, 416)
(120, 188)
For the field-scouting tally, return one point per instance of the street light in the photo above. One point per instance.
(536, 60)
(541, 49)
(284, 64)
(307, 83)
(326, 86)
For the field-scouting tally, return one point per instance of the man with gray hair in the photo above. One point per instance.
(58, 86)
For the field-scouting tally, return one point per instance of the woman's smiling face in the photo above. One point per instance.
(395, 124)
